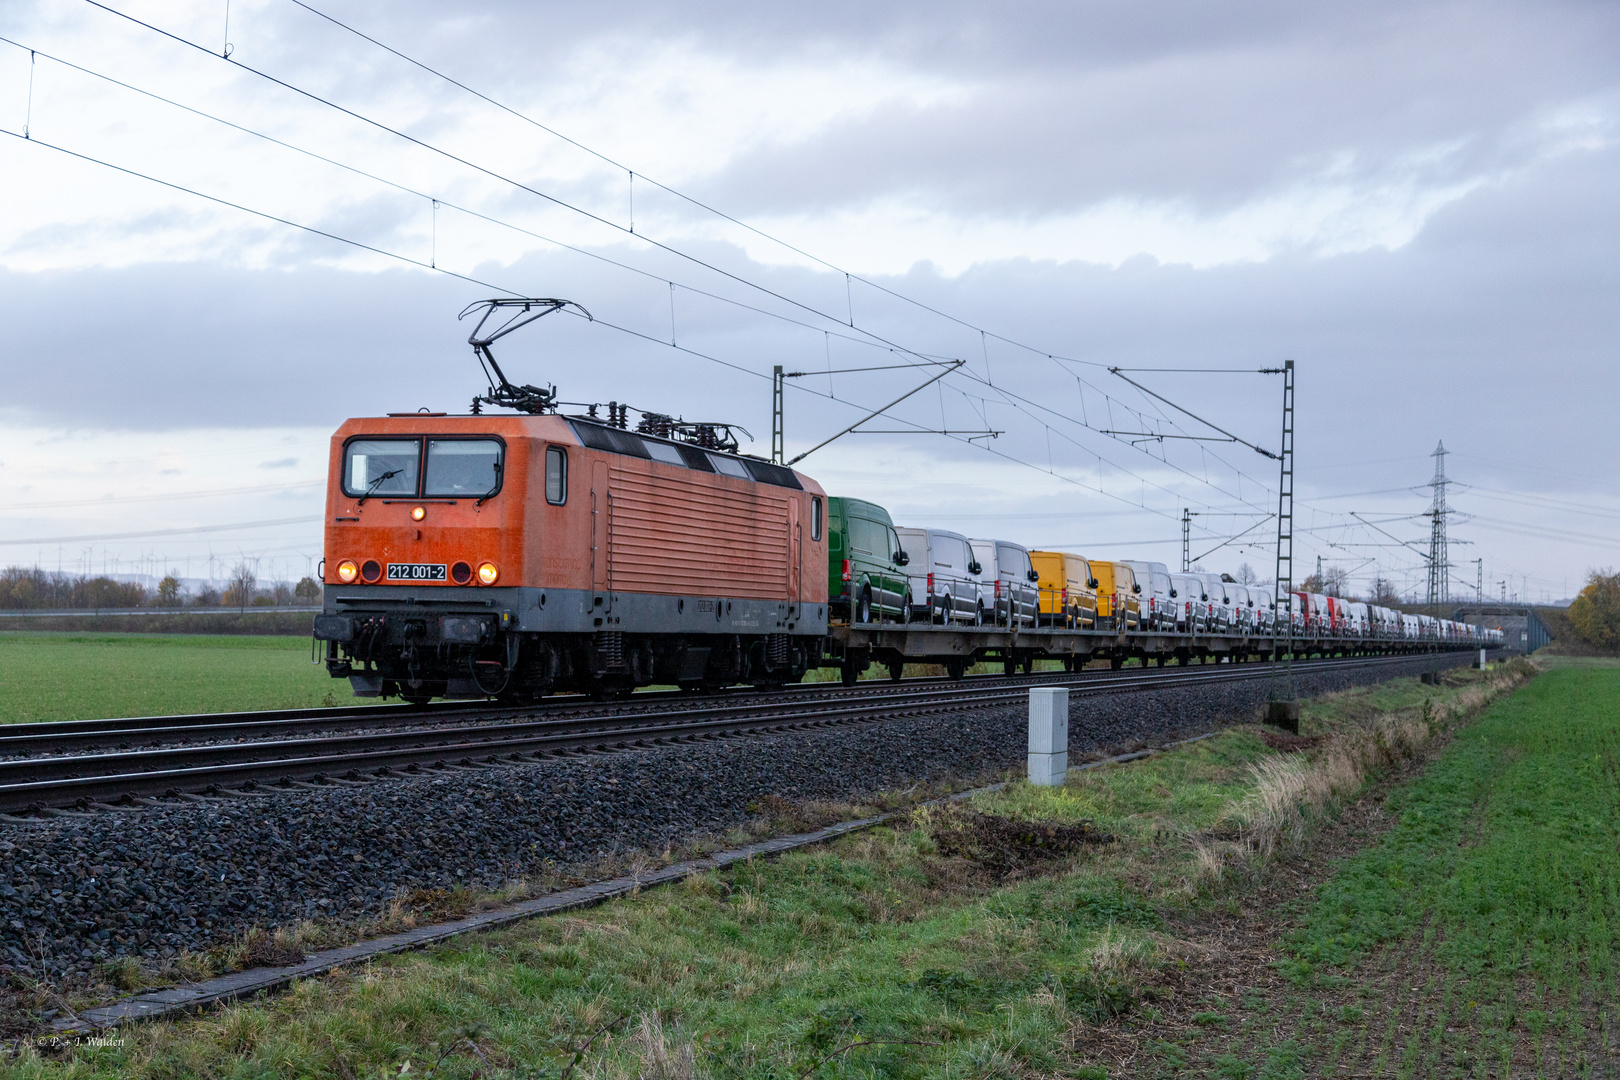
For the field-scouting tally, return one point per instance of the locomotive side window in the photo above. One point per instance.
(815, 519)
(373, 467)
(729, 466)
(464, 467)
(665, 452)
(556, 475)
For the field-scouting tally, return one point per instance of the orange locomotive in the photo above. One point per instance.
(510, 556)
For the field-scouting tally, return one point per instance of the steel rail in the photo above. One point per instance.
(62, 781)
(61, 735)
(126, 732)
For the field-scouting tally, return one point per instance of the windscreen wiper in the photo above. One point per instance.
(372, 487)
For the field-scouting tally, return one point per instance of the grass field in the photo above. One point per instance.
(899, 952)
(1464, 927)
(1491, 908)
(86, 676)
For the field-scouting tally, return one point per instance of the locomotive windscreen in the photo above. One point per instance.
(381, 466)
(456, 468)
(469, 467)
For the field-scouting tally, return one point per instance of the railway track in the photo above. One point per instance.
(128, 733)
(95, 780)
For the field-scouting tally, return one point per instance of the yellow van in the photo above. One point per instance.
(1068, 591)
(1118, 606)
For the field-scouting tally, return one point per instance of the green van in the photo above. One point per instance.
(865, 580)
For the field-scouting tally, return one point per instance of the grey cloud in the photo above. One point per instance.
(1071, 103)
(1498, 319)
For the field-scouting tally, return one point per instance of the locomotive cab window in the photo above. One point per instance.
(462, 467)
(381, 467)
(556, 475)
(815, 519)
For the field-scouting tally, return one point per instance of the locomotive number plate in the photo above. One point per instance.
(415, 571)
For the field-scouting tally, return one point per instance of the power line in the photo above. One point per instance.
(432, 263)
(1021, 403)
(261, 489)
(162, 532)
(848, 275)
(439, 269)
(614, 225)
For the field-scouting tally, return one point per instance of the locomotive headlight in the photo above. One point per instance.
(347, 571)
(418, 513)
(488, 572)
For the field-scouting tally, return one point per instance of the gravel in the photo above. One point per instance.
(77, 891)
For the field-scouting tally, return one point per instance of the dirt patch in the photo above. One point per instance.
(1291, 744)
(1005, 847)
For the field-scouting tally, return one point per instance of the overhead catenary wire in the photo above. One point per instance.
(707, 208)
(593, 216)
(432, 262)
(1023, 403)
(499, 288)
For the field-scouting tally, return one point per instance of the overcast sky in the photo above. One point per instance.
(1415, 202)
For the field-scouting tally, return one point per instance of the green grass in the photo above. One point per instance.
(1508, 844)
(762, 970)
(86, 676)
(870, 956)
(1189, 789)
(1500, 879)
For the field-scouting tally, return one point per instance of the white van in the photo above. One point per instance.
(1187, 593)
(944, 576)
(1158, 606)
(1008, 584)
(1221, 611)
(1265, 608)
(1242, 608)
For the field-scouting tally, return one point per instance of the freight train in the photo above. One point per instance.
(512, 556)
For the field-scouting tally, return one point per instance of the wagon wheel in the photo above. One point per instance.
(849, 672)
(955, 667)
(896, 667)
